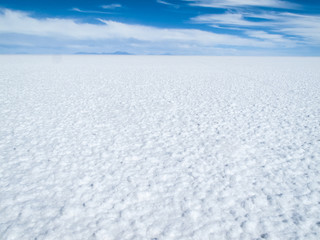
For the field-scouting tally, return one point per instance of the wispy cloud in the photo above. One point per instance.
(306, 27)
(22, 23)
(278, 39)
(274, 30)
(226, 19)
(87, 11)
(168, 3)
(112, 6)
(242, 3)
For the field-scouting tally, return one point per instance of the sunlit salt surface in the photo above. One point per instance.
(158, 147)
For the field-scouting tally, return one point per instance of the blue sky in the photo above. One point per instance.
(183, 27)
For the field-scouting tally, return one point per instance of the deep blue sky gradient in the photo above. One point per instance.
(141, 12)
(148, 13)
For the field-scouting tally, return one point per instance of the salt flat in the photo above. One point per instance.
(159, 147)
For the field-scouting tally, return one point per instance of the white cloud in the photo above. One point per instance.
(22, 23)
(112, 6)
(234, 19)
(265, 35)
(242, 3)
(278, 39)
(87, 11)
(277, 26)
(167, 3)
(275, 30)
(306, 27)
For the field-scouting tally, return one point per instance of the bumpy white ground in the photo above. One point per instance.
(137, 147)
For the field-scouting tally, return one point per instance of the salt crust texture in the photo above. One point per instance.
(157, 147)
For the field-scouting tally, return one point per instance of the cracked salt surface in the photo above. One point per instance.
(137, 147)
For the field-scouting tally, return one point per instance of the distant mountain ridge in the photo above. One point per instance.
(103, 53)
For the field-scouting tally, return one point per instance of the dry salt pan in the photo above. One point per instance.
(158, 147)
